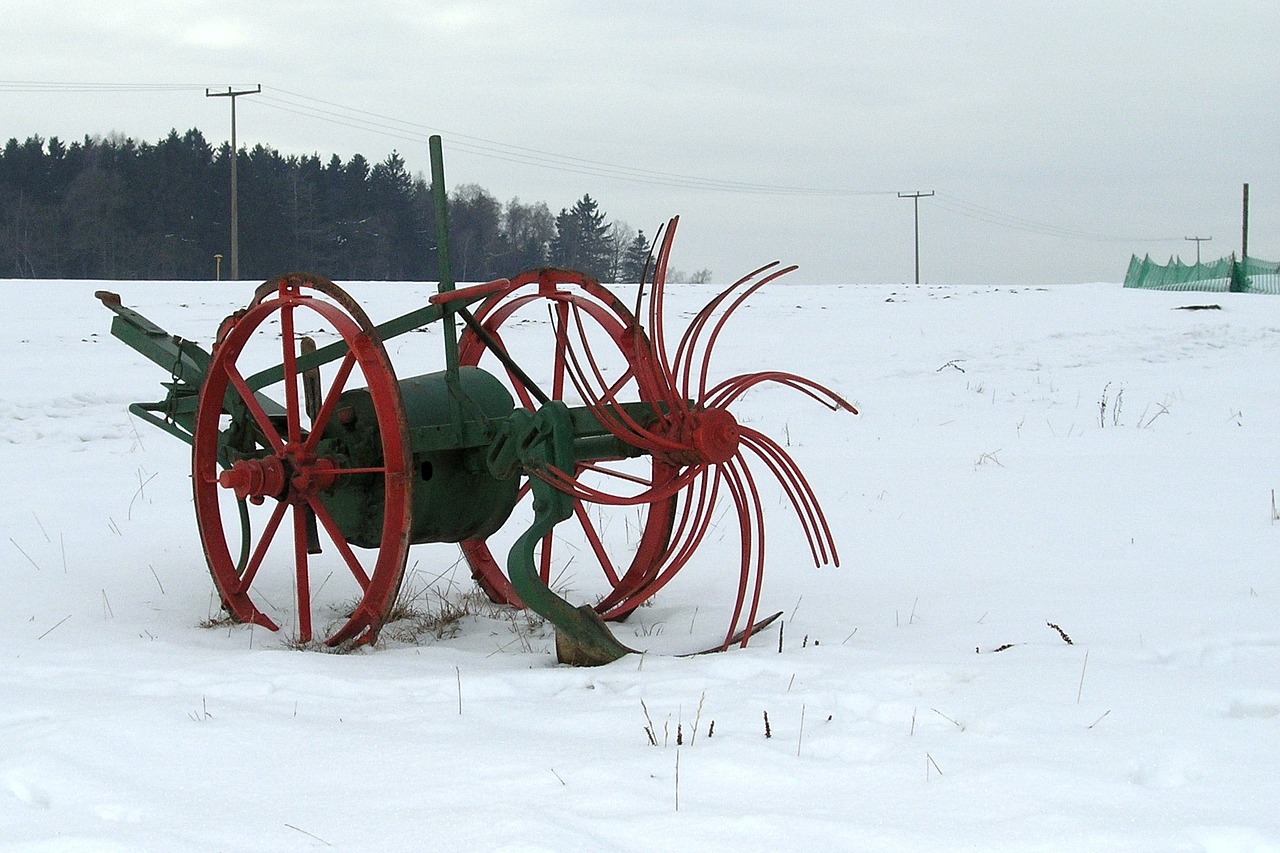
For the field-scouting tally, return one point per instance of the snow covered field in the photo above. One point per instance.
(1080, 455)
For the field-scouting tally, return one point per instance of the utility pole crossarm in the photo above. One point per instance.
(235, 224)
(1198, 241)
(915, 200)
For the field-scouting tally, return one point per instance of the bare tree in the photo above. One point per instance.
(620, 236)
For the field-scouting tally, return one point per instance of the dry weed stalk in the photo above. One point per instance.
(1061, 633)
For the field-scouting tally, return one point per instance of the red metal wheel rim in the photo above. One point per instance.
(291, 474)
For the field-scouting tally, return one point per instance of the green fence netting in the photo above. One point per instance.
(1251, 275)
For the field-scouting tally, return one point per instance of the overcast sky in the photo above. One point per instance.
(1059, 137)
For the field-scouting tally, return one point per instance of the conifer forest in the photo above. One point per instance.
(116, 208)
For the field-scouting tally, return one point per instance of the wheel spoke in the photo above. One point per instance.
(544, 567)
(293, 409)
(560, 323)
(260, 551)
(517, 384)
(301, 573)
(611, 472)
(593, 538)
(260, 417)
(339, 542)
(321, 419)
(337, 471)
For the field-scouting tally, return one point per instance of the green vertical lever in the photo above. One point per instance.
(444, 265)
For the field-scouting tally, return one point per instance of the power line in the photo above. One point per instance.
(970, 210)
(367, 121)
(330, 111)
(30, 86)
(360, 119)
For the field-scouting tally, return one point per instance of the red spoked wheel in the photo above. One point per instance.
(590, 330)
(272, 448)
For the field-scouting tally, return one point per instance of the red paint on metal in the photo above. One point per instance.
(471, 292)
(698, 451)
(289, 470)
(254, 479)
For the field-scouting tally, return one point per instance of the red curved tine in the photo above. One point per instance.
(634, 587)
(750, 521)
(569, 484)
(604, 404)
(724, 318)
(724, 393)
(640, 366)
(685, 355)
(611, 416)
(695, 520)
(645, 276)
(799, 492)
(759, 519)
(657, 330)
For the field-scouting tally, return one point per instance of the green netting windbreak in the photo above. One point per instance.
(1251, 275)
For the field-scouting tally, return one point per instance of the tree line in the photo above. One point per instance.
(115, 208)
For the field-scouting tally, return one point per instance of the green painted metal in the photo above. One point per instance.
(444, 264)
(185, 360)
(415, 319)
(547, 439)
(456, 496)
(396, 326)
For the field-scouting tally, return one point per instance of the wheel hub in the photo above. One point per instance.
(257, 479)
(254, 479)
(709, 436)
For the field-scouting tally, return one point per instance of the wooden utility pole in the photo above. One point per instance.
(1198, 240)
(1244, 226)
(915, 197)
(235, 208)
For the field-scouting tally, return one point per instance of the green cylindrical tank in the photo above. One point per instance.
(455, 497)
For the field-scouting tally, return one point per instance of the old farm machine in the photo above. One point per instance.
(299, 448)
